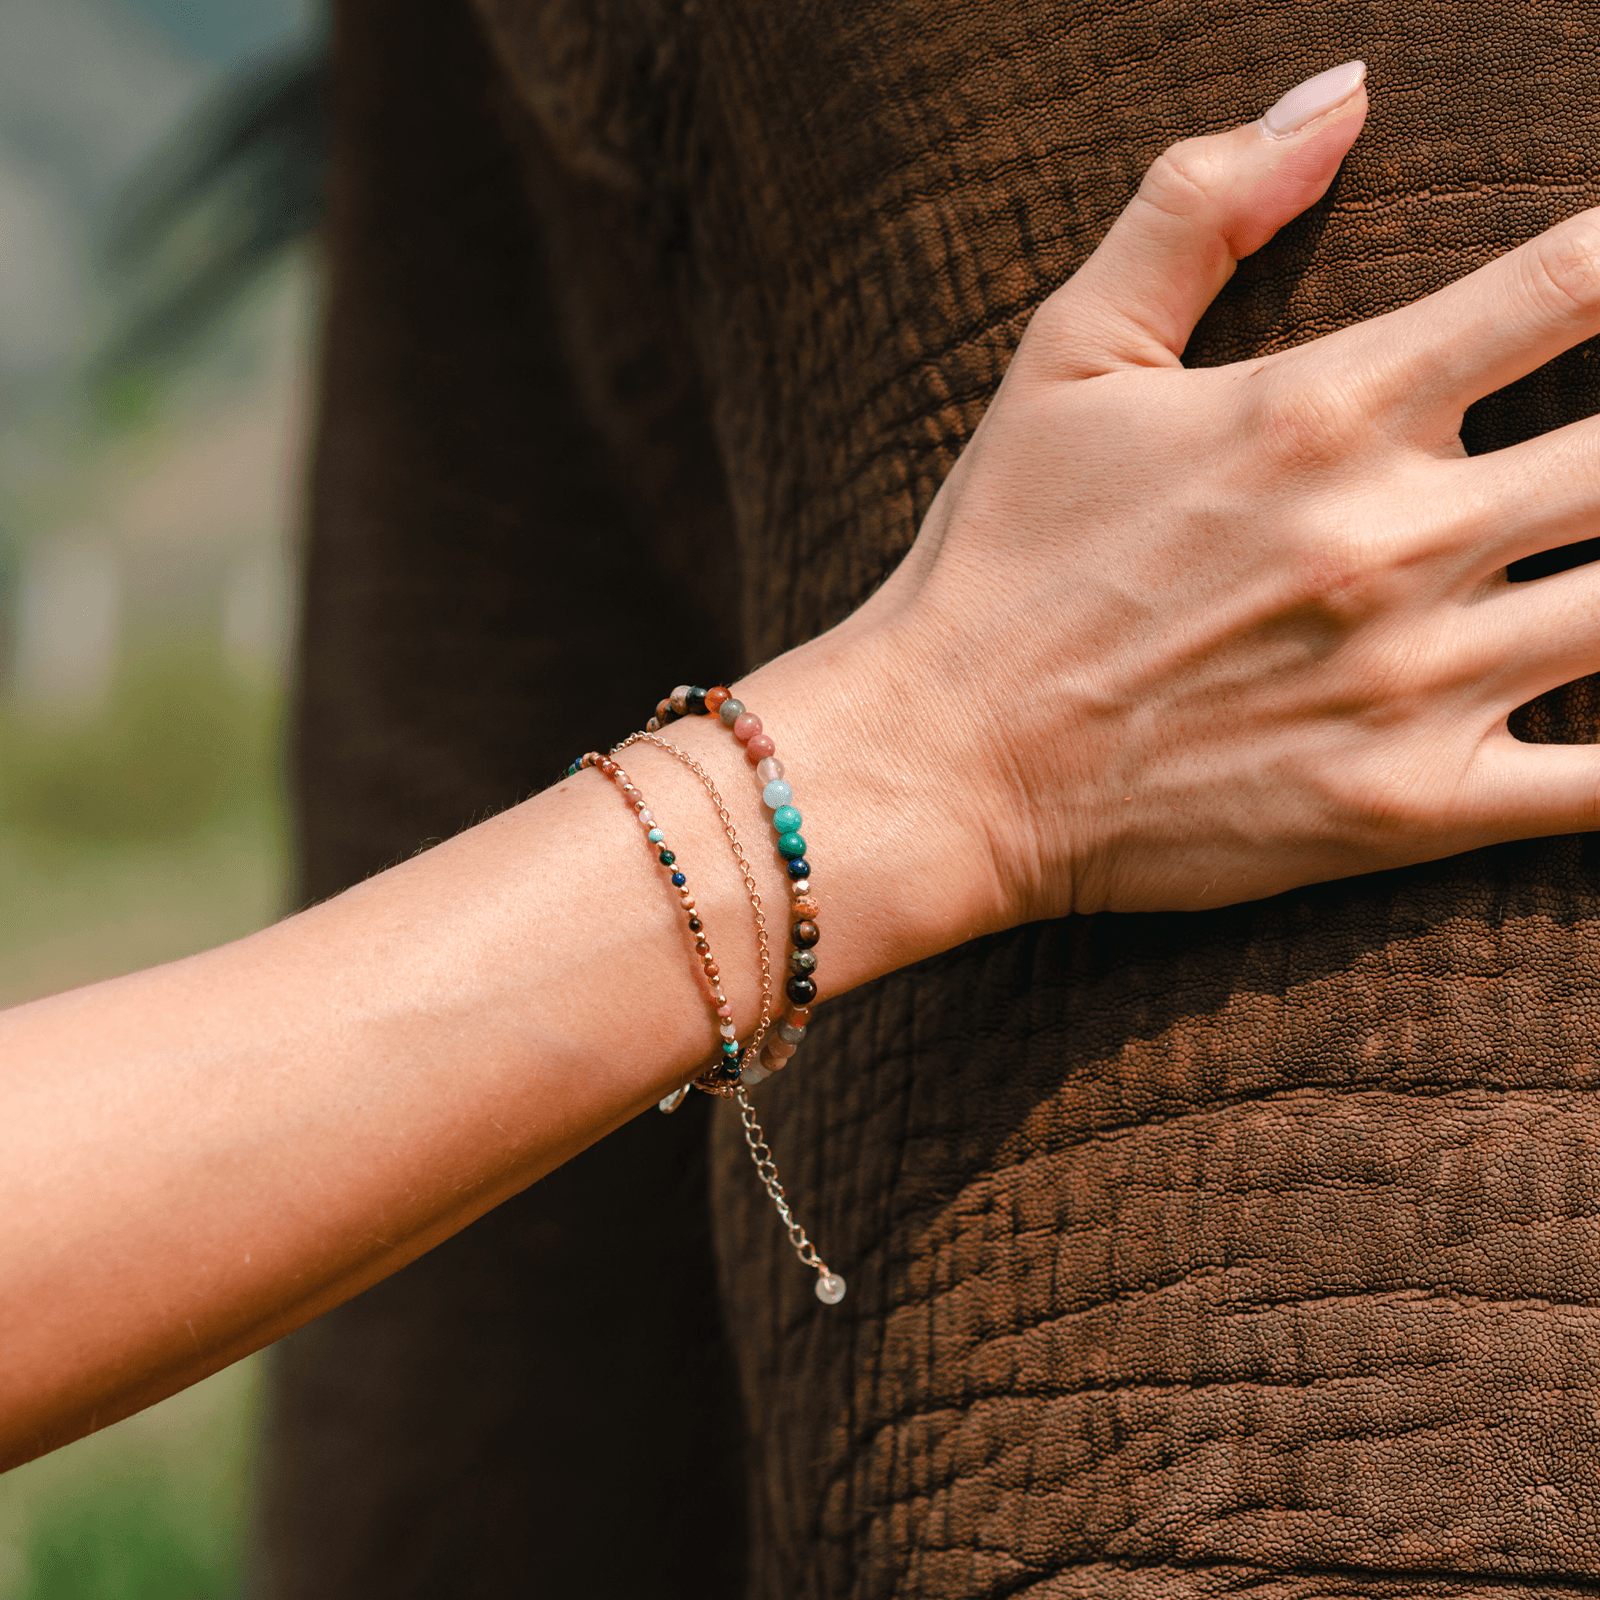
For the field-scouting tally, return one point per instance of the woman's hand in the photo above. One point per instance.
(1208, 635)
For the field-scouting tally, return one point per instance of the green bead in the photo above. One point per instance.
(786, 819)
(667, 858)
(802, 963)
(791, 844)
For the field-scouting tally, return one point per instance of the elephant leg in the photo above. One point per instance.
(485, 599)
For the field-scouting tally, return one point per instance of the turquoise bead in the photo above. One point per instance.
(777, 793)
(730, 1047)
(791, 844)
(786, 819)
(655, 836)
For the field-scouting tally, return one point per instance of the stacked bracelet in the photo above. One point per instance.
(726, 819)
(729, 1075)
(723, 1075)
(777, 795)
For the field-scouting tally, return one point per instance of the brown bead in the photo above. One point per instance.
(713, 970)
(806, 934)
(702, 947)
(716, 697)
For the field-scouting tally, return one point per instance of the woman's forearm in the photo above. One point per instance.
(196, 1159)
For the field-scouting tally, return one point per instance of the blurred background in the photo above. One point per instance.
(160, 186)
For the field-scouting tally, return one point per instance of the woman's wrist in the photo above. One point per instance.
(897, 818)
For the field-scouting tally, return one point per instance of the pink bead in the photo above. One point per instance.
(760, 747)
(770, 770)
(780, 1049)
(724, 1011)
(746, 726)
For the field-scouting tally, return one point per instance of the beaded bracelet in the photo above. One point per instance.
(763, 949)
(778, 797)
(723, 1078)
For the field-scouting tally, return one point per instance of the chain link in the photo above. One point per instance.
(767, 1172)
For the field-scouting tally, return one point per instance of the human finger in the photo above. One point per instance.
(1530, 497)
(1528, 791)
(1435, 357)
(1203, 206)
(1529, 638)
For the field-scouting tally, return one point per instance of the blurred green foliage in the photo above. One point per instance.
(154, 1508)
(126, 1540)
(183, 743)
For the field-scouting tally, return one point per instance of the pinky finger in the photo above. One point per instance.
(1530, 791)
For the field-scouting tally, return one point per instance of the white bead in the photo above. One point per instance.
(647, 816)
(727, 1030)
(769, 770)
(830, 1288)
(753, 1074)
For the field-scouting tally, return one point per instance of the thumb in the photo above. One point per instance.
(1205, 205)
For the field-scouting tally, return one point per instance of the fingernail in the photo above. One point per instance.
(1312, 98)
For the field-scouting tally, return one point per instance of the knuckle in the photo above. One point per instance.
(1303, 428)
(1562, 268)
(1182, 179)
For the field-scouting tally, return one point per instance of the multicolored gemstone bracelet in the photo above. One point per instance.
(726, 1075)
(688, 700)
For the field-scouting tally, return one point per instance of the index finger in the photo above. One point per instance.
(1487, 329)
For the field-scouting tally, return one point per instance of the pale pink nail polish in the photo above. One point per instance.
(1312, 98)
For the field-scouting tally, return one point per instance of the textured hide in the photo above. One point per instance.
(1252, 1251)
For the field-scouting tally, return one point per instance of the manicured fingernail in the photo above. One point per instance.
(1312, 98)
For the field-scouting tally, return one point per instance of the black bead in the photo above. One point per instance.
(799, 868)
(801, 990)
(696, 701)
(667, 858)
(695, 924)
(803, 963)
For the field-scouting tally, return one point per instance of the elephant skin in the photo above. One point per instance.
(1256, 1250)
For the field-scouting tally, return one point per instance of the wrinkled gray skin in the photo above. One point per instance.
(1255, 1250)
